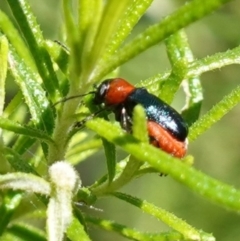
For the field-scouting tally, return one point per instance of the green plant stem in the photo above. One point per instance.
(78, 86)
(127, 174)
(62, 128)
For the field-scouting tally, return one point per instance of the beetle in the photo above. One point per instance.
(166, 128)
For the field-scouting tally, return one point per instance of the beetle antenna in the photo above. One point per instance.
(72, 97)
(81, 123)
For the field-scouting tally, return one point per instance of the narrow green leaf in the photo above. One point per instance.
(153, 83)
(3, 70)
(99, 182)
(17, 162)
(194, 95)
(140, 124)
(87, 28)
(126, 20)
(107, 28)
(27, 232)
(13, 106)
(73, 40)
(3, 75)
(15, 111)
(134, 234)
(215, 114)
(221, 193)
(78, 214)
(33, 36)
(182, 17)
(85, 19)
(85, 152)
(188, 232)
(9, 203)
(11, 32)
(76, 232)
(23, 144)
(9, 125)
(59, 54)
(110, 152)
(33, 93)
(213, 62)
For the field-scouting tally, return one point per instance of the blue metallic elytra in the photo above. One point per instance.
(158, 111)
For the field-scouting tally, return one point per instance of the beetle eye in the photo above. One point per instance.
(101, 92)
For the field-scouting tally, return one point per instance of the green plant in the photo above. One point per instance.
(45, 72)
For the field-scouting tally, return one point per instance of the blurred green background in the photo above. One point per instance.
(216, 152)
